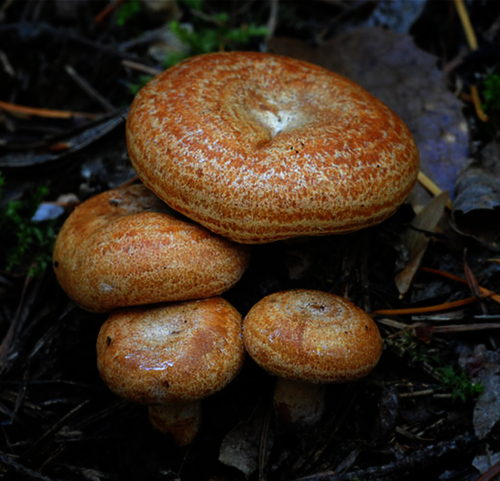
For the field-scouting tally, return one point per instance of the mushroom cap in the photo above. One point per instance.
(311, 336)
(171, 354)
(259, 147)
(122, 248)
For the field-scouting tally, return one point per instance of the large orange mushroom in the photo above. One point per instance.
(258, 147)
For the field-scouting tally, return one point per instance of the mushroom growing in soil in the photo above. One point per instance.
(259, 147)
(126, 247)
(169, 357)
(308, 339)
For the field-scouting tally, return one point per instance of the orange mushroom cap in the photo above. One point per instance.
(258, 147)
(124, 248)
(171, 354)
(311, 336)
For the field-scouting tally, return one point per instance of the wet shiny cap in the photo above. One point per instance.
(171, 354)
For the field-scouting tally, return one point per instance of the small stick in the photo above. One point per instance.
(466, 24)
(477, 104)
(484, 291)
(426, 392)
(88, 89)
(465, 327)
(271, 22)
(140, 67)
(54, 114)
(411, 462)
(106, 11)
(491, 474)
(472, 41)
(432, 187)
(419, 310)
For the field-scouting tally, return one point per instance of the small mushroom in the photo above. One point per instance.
(259, 147)
(307, 339)
(125, 247)
(169, 357)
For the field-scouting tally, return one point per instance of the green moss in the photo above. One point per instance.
(28, 243)
(209, 33)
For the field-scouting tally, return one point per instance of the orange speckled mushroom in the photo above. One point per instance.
(123, 248)
(309, 338)
(258, 147)
(169, 357)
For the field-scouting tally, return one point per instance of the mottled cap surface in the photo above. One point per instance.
(259, 147)
(311, 336)
(123, 248)
(171, 354)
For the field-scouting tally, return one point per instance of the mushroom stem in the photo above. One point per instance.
(182, 421)
(297, 402)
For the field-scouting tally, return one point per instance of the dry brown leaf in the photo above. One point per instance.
(416, 242)
(476, 210)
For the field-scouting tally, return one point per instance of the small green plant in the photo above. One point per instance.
(126, 11)
(456, 380)
(194, 4)
(216, 37)
(30, 242)
(491, 93)
(451, 376)
(208, 33)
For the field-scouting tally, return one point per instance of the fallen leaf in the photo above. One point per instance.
(240, 447)
(476, 210)
(487, 406)
(416, 241)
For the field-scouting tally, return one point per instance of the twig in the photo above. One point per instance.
(491, 474)
(484, 291)
(472, 41)
(425, 392)
(22, 470)
(7, 66)
(432, 187)
(464, 18)
(263, 446)
(271, 22)
(477, 104)
(420, 310)
(6, 346)
(54, 114)
(465, 327)
(88, 89)
(55, 428)
(106, 11)
(413, 462)
(141, 67)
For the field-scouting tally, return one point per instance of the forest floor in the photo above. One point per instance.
(428, 275)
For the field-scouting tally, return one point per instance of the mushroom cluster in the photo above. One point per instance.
(232, 148)
(170, 340)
